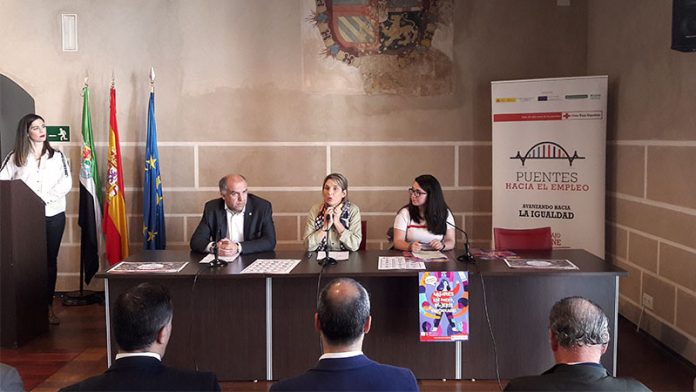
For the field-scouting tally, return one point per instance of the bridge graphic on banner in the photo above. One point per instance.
(547, 150)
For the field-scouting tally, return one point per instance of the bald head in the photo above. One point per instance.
(577, 322)
(233, 189)
(230, 180)
(343, 311)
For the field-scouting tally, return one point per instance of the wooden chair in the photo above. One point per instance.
(522, 239)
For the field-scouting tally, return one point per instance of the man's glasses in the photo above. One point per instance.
(417, 192)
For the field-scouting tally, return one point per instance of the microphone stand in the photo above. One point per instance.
(216, 260)
(466, 257)
(327, 260)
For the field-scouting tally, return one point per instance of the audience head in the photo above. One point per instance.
(576, 321)
(31, 128)
(578, 331)
(427, 201)
(233, 189)
(343, 313)
(139, 317)
(335, 189)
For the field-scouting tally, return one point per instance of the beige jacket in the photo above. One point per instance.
(350, 238)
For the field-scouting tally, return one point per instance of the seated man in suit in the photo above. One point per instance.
(240, 222)
(342, 319)
(579, 334)
(142, 319)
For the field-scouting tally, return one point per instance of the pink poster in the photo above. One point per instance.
(444, 306)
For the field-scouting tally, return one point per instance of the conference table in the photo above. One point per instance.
(261, 327)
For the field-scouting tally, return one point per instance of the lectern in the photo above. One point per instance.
(23, 270)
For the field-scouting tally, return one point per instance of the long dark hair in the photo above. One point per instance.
(23, 143)
(436, 210)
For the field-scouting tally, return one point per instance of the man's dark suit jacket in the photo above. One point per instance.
(580, 377)
(259, 232)
(147, 374)
(350, 374)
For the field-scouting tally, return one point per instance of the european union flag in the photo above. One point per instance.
(154, 234)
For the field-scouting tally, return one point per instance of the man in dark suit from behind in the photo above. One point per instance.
(342, 319)
(142, 319)
(579, 335)
(239, 221)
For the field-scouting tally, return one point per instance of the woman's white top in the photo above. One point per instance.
(418, 232)
(48, 177)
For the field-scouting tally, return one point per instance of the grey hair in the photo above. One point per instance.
(576, 321)
(222, 184)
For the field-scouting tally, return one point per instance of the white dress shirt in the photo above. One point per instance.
(346, 354)
(143, 354)
(235, 225)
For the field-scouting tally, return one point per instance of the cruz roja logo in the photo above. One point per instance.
(547, 150)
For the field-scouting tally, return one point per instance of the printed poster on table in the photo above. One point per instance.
(444, 306)
(549, 148)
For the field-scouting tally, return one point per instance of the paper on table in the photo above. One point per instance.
(338, 255)
(399, 262)
(210, 257)
(159, 267)
(429, 255)
(271, 266)
(560, 264)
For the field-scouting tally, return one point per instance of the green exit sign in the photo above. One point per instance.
(58, 133)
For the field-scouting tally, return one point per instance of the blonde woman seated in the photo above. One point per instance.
(426, 222)
(335, 223)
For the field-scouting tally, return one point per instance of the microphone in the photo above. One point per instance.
(216, 260)
(466, 257)
(327, 260)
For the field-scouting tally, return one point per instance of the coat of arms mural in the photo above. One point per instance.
(398, 46)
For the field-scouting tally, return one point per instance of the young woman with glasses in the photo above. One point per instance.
(426, 222)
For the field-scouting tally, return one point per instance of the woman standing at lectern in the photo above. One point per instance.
(425, 223)
(334, 223)
(46, 172)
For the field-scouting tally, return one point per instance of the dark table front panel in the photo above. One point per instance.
(393, 337)
(220, 323)
(519, 312)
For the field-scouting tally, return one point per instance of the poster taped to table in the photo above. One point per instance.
(443, 301)
(167, 267)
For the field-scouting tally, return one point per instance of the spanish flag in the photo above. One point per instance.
(115, 225)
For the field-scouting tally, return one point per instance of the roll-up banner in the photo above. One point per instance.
(549, 144)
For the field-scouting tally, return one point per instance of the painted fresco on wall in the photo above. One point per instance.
(399, 47)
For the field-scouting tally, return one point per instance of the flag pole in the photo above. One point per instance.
(82, 297)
